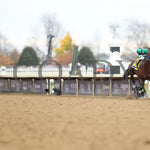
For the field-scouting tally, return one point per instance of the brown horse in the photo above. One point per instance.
(143, 74)
(130, 71)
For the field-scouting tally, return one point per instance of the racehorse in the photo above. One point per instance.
(130, 71)
(143, 74)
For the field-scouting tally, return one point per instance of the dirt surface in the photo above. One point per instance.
(40, 122)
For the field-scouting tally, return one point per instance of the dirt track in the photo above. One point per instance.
(40, 122)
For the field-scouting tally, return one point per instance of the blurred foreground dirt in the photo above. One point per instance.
(40, 122)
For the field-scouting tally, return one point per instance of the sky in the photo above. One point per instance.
(85, 20)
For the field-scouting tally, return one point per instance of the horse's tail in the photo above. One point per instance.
(126, 74)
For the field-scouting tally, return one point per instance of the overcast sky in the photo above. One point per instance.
(83, 19)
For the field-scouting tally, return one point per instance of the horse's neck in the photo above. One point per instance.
(145, 68)
(148, 54)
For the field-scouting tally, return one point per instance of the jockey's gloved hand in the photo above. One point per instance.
(141, 57)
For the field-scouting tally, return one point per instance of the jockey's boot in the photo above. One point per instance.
(138, 64)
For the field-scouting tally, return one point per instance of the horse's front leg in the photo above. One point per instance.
(142, 82)
(133, 81)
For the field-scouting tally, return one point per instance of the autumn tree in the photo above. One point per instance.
(64, 52)
(5, 60)
(14, 55)
(10, 58)
(64, 58)
(7, 55)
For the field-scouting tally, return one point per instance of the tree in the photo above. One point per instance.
(138, 34)
(64, 58)
(86, 56)
(66, 45)
(5, 46)
(2, 43)
(8, 58)
(14, 55)
(40, 54)
(5, 60)
(64, 52)
(52, 27)
(28, 57)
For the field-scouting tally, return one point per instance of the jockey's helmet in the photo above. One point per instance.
(145, 51)
(142, 51)
(139, 51)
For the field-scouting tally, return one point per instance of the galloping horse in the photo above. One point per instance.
(130, 71)
(143, 74)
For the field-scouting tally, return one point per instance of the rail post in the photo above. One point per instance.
(77, 87)
(93, 87)
(110, 87)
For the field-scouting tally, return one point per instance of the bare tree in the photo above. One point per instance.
(138, 34)
(2, 43)
(5, 45)
(52, 27)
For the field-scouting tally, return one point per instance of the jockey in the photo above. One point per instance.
(141, 56)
